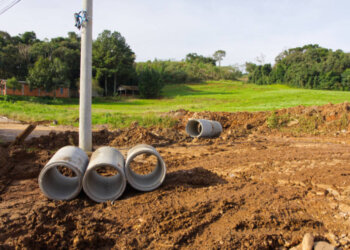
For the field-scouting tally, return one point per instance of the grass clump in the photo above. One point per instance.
(275, 121)
(119, 120)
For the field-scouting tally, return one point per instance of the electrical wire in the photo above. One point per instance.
(9, 6)
(4, 3)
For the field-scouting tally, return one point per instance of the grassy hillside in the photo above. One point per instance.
(210, 96)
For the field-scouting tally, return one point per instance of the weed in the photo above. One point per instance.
(344, 121)
(309, 124)
(272, 120)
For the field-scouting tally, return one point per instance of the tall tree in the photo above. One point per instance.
(112, 56)
(219, 55)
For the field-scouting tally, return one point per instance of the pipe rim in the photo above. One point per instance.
(54, 165)
(194, 122)
(91, 194)
(129, 172)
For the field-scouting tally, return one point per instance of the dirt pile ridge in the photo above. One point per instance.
(329, 119)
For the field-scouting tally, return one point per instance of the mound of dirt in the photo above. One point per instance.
(300, 120)
(154, 136)
(297, 121)
(250, 188)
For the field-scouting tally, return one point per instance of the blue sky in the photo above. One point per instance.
(169, 29)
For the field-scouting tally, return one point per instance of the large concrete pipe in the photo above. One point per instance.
(146, 182)
(57, 186)
(203, 128)
(105, 188)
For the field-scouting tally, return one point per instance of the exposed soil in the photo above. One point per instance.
(265, 182)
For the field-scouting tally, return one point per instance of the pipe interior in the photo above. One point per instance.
(147, 181)
(104, 187)
(106, 171)
(66, 171)
(59, 186)
(194, 127)
(144, 164)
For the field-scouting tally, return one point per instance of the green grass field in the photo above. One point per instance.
(208, 96)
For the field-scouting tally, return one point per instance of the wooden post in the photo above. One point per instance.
(22, 136)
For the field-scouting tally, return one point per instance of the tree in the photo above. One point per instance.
(195, 58)
(28, 37)
(346, 79)
(310, 66)
(112, 56)
(40, 76)
(150, 82)
(48, 74)
(219, 55)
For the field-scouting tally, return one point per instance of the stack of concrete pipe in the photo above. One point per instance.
(99, 188)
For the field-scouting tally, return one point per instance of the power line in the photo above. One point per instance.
(13, 3)
(4, 3)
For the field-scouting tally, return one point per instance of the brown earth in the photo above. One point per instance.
(265, 182)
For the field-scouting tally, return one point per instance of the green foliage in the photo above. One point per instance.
(112, 58)
(345, 76)
(120, 120)
(12, 83)
(309, 124)
(150, 81)
(276, 121)
(344, 121)
(183, 72)
(96, 89)
(309, 66)
(47, 74)
(272, 120)
(195, 58)
(260, 74)
(219, 55)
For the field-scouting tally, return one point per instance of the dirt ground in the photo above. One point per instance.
(267, 180)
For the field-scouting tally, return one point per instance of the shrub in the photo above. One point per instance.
(12, 83)
(150, 82)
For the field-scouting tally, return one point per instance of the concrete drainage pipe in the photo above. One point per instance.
(203, 128)
(147, 182)
(104, 179)
(61, 178)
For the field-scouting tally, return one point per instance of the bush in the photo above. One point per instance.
(150, 82)
(12, 83)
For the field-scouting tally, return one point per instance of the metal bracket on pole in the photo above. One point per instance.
(81, 18)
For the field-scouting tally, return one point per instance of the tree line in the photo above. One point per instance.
(310, 66)
(48, 64)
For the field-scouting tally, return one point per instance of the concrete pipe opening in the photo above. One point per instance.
(104, 179)
(203, 128)
(145, 169)
(194, 128)
(61, 178)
